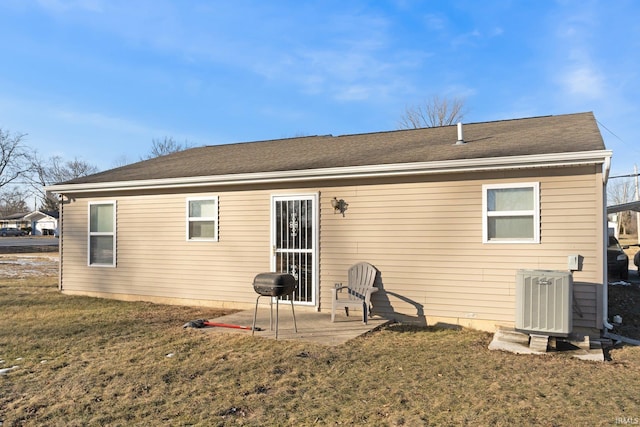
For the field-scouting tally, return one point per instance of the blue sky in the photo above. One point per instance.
(100, 79)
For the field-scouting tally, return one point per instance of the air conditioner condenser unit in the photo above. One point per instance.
(544, 301)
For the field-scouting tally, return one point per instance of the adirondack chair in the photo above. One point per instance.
(358, 292)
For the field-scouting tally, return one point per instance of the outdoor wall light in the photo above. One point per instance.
(339, 205)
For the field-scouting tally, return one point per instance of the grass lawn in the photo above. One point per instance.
(87, 361)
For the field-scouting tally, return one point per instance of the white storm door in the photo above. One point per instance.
(294, 242)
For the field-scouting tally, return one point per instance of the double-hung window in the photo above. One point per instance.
(202, 219)
(102, 234)
(511, 213)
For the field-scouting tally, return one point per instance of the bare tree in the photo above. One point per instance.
(434, 112)
(14, 157)
(72, 169)
(55, 170)
(120, 161)
(13, 201)
(167, 145)
(618, 192)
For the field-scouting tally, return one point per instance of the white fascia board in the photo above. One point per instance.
(368, 171)
(35, 214)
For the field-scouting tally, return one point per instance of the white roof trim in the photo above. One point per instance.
(36, 213)
(397, 169)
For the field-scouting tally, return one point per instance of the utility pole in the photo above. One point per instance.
(635, 170)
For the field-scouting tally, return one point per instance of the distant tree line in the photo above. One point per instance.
(24, 173)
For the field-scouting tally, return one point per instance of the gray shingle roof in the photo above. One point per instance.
(517, 137)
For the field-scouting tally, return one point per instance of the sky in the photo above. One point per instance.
(99, 80)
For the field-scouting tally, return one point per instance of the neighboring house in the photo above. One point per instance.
(448, 223)
(43, 223)
(14, 221)
(613, 213)
(40, 222)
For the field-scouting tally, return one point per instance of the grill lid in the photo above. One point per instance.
(274, 284)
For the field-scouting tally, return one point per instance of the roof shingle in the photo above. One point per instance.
(530, 136)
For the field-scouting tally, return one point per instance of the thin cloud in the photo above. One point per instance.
(354, 93)
(352, 65)
(102, 121)
(584, 81)
(577, 72)
(435, 22)
(346, 55)
(58, 6)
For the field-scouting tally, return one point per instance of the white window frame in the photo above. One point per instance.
(91, 234)
(535, 212)
(190, 219)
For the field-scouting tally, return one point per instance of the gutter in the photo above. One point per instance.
(605, 280)
(338, 173)
(606, 168)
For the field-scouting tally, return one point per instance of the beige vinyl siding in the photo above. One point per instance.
(155, 259)
(424, 235)
(426, 239)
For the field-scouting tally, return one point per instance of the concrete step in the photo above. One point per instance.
(539, 342)
(511, 335)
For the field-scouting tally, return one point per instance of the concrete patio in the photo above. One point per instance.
(312, 326)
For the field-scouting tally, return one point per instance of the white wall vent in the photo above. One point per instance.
(544, 301)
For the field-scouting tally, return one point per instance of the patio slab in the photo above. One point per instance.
(312, 326)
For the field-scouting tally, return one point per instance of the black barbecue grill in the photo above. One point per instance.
(274, 285)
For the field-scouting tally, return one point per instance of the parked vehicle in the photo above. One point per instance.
(617, 260)
(6, 231)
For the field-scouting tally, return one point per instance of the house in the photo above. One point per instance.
(614, 211)
(448, 215)
(15, 220)
(43, 223)
(37, 223)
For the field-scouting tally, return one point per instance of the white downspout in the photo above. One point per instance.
(606, 166)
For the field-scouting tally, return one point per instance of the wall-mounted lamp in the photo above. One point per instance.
(339, 205)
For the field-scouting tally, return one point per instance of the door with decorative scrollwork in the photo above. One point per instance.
(293, 239)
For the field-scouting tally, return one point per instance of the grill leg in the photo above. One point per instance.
(255, 313)
(277, 316)
(295, 325)
(271, 313)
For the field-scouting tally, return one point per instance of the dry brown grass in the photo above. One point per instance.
(86, 361)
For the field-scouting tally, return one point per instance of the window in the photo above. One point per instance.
(202, 219)
(102, 234)
(511, 213)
